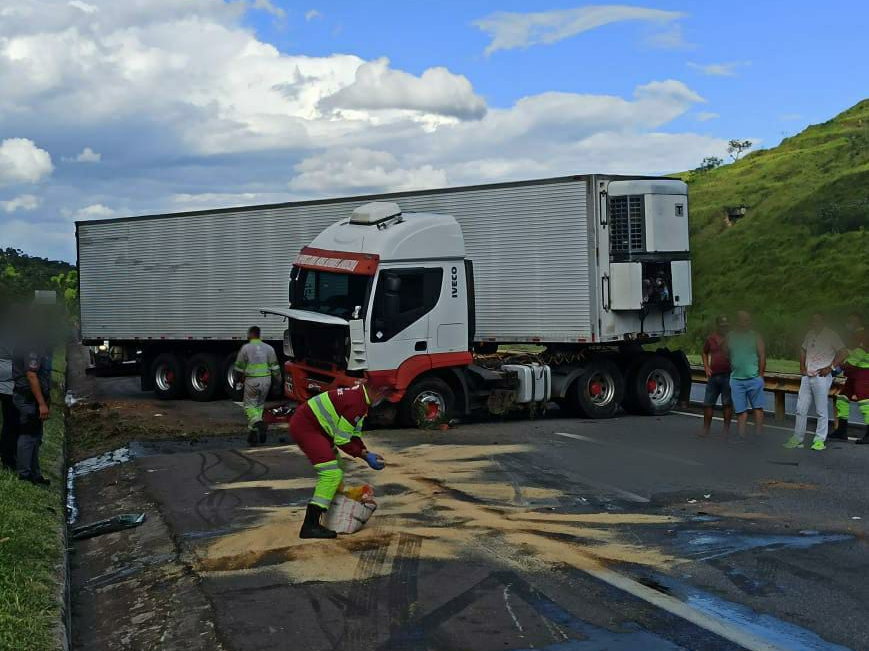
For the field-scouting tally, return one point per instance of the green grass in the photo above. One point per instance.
(802, 245)
(31, 553)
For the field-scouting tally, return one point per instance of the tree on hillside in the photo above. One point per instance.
(735, 148)
(709, 163)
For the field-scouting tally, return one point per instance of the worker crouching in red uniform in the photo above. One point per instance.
(324, 424)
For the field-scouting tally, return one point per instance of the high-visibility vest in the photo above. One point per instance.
(256, 359)
(336, 426)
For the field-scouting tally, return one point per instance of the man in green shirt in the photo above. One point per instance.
(747, 368)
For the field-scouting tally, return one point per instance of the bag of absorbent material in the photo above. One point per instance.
(349, 515)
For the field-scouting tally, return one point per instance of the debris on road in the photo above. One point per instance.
(109, 525)
(101, 462)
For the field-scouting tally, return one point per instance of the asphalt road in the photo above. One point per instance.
(555, 534)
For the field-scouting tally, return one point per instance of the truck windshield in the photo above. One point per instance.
(328, 292)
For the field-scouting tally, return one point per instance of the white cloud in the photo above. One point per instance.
(719, 69)
(195, 112)
(94, 211)
(361, 170)
(705, 116)
(376, 86)
(520, 30)
(270, 8)
(83, 6)
(23, 202)
(312, 14)
(87, 155)
(671, 38)
(21, 161)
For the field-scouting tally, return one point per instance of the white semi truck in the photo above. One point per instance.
(416, 291)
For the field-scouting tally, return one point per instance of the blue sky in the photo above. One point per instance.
(112, 109)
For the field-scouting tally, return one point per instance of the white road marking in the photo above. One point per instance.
(707, 621)
(510, 609)
(650, 453)
(765, 426)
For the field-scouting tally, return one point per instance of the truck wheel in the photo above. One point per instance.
(598, 390)
(203, 379)
(653, 386)
(232, 387)
(427, 403)
(167, 372)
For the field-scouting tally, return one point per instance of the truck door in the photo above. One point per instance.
(399, 327)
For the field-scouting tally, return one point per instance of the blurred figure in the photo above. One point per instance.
(856, 369)
(9, 432)
(716, 363)
(822, 351)
(31, 372)
(747, 368)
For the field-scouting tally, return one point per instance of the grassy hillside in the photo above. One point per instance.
(804, 242)
(21, 274)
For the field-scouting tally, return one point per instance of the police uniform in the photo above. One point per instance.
(29, 422)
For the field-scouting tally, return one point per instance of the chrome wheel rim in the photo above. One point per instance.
(164, 378)
(429, 406)
(231, 379)
(661, 387)
(200, 378)
(601, 389)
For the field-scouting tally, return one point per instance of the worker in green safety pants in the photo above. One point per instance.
(856, 389)
(257, 362)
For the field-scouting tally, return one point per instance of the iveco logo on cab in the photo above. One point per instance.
(454, 274)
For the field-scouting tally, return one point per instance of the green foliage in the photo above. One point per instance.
(22, 274)
(736, 147)
(31, 549)
(803, 242)
(709, 163)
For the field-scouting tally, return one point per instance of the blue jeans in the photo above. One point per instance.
(745, 393)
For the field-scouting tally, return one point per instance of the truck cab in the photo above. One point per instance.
(382, 295)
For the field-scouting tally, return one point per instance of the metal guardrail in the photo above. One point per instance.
(779, 384)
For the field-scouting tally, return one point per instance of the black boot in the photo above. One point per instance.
(841, 432)
(261, 430)
(312, 528)
(251, 437)
(865, 439)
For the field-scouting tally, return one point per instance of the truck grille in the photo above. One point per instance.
(627, 226)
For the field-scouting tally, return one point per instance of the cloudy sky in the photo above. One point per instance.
(117, 108)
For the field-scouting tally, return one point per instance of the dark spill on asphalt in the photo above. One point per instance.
(774, 631)
(707, 545)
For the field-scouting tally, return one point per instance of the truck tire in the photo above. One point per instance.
(231, 388)
(598, 391)
(167, 373)
(427, 403)
(203, 377)
(653, 386)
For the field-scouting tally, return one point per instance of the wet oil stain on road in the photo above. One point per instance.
(708, 545)
(777, 633)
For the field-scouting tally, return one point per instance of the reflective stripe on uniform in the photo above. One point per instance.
(336, 427)
(329, 476)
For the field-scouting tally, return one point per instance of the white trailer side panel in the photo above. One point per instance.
(530, 248)
(205, 276)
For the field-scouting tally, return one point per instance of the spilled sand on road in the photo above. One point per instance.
(456, 499)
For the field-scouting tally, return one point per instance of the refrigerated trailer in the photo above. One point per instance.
(414, 290)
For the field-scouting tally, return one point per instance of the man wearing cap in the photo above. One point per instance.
(716, 363)
(321, 426)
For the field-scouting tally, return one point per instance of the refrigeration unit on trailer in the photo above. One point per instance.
(418, 293)
(415, 290)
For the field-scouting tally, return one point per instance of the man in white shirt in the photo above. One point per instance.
(822, 351)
